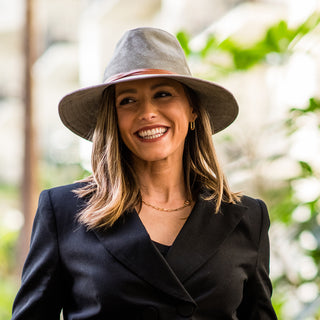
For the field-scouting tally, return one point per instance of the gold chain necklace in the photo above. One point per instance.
(187, 203)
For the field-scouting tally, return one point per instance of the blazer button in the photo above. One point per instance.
(185, 310)
(150, 313)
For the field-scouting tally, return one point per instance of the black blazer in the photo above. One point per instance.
(216, 269)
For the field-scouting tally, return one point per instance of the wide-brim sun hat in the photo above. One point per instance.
(144, 53)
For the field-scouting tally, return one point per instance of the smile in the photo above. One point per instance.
(152, 133)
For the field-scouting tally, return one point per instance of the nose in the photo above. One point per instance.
(148, 110)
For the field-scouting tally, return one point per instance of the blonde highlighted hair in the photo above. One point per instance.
(113, 187)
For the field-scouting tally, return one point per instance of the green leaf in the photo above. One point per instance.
(313, 106)
(306, 168)
(212, 44)
(184, 39)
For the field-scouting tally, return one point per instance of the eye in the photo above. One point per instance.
(126, 101)
(162, 94)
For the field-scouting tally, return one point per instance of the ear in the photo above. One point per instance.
(194, 116)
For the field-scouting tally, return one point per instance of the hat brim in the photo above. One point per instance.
(79, 110)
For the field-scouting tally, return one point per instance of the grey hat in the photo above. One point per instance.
(146, 53)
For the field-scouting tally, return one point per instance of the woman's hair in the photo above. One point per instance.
(113, 188)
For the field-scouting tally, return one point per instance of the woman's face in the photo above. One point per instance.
(153, 118)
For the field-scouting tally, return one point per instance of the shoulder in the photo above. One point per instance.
(249, 205)
(255, 208)
(65, 190)
(253, 205)
(249, 201)
(248, 210)
(62, 199)
(255, 218)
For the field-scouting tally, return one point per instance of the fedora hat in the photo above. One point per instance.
(140, 54)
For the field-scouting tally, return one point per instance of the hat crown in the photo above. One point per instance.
(147, 48)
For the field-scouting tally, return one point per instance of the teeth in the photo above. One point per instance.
(152, 134)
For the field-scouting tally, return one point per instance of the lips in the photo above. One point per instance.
(153, 133)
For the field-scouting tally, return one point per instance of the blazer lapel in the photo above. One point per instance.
(129, 242)
(202, 235)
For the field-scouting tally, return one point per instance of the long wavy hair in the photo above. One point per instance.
(113, 188)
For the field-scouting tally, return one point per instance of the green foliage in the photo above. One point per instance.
(7, 253)
(306, 169)
(212, 44)
(274, 47)
(281, 203)
(184, 40)
(313, 107)
(243, 58)
(8, 289)
(278, 300)
(279, 39)
(8, 237)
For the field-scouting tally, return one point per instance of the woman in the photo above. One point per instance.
(155, 232)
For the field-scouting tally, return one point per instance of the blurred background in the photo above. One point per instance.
(267, 52)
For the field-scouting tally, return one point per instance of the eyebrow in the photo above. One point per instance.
(125, 91)
(155, 86)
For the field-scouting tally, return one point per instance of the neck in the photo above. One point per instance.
(161, 182)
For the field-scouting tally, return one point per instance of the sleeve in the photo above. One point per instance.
(256, 303)
(40, 295)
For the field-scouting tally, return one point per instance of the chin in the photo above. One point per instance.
(152, 157)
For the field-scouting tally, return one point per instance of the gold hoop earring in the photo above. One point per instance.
(192, 125)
